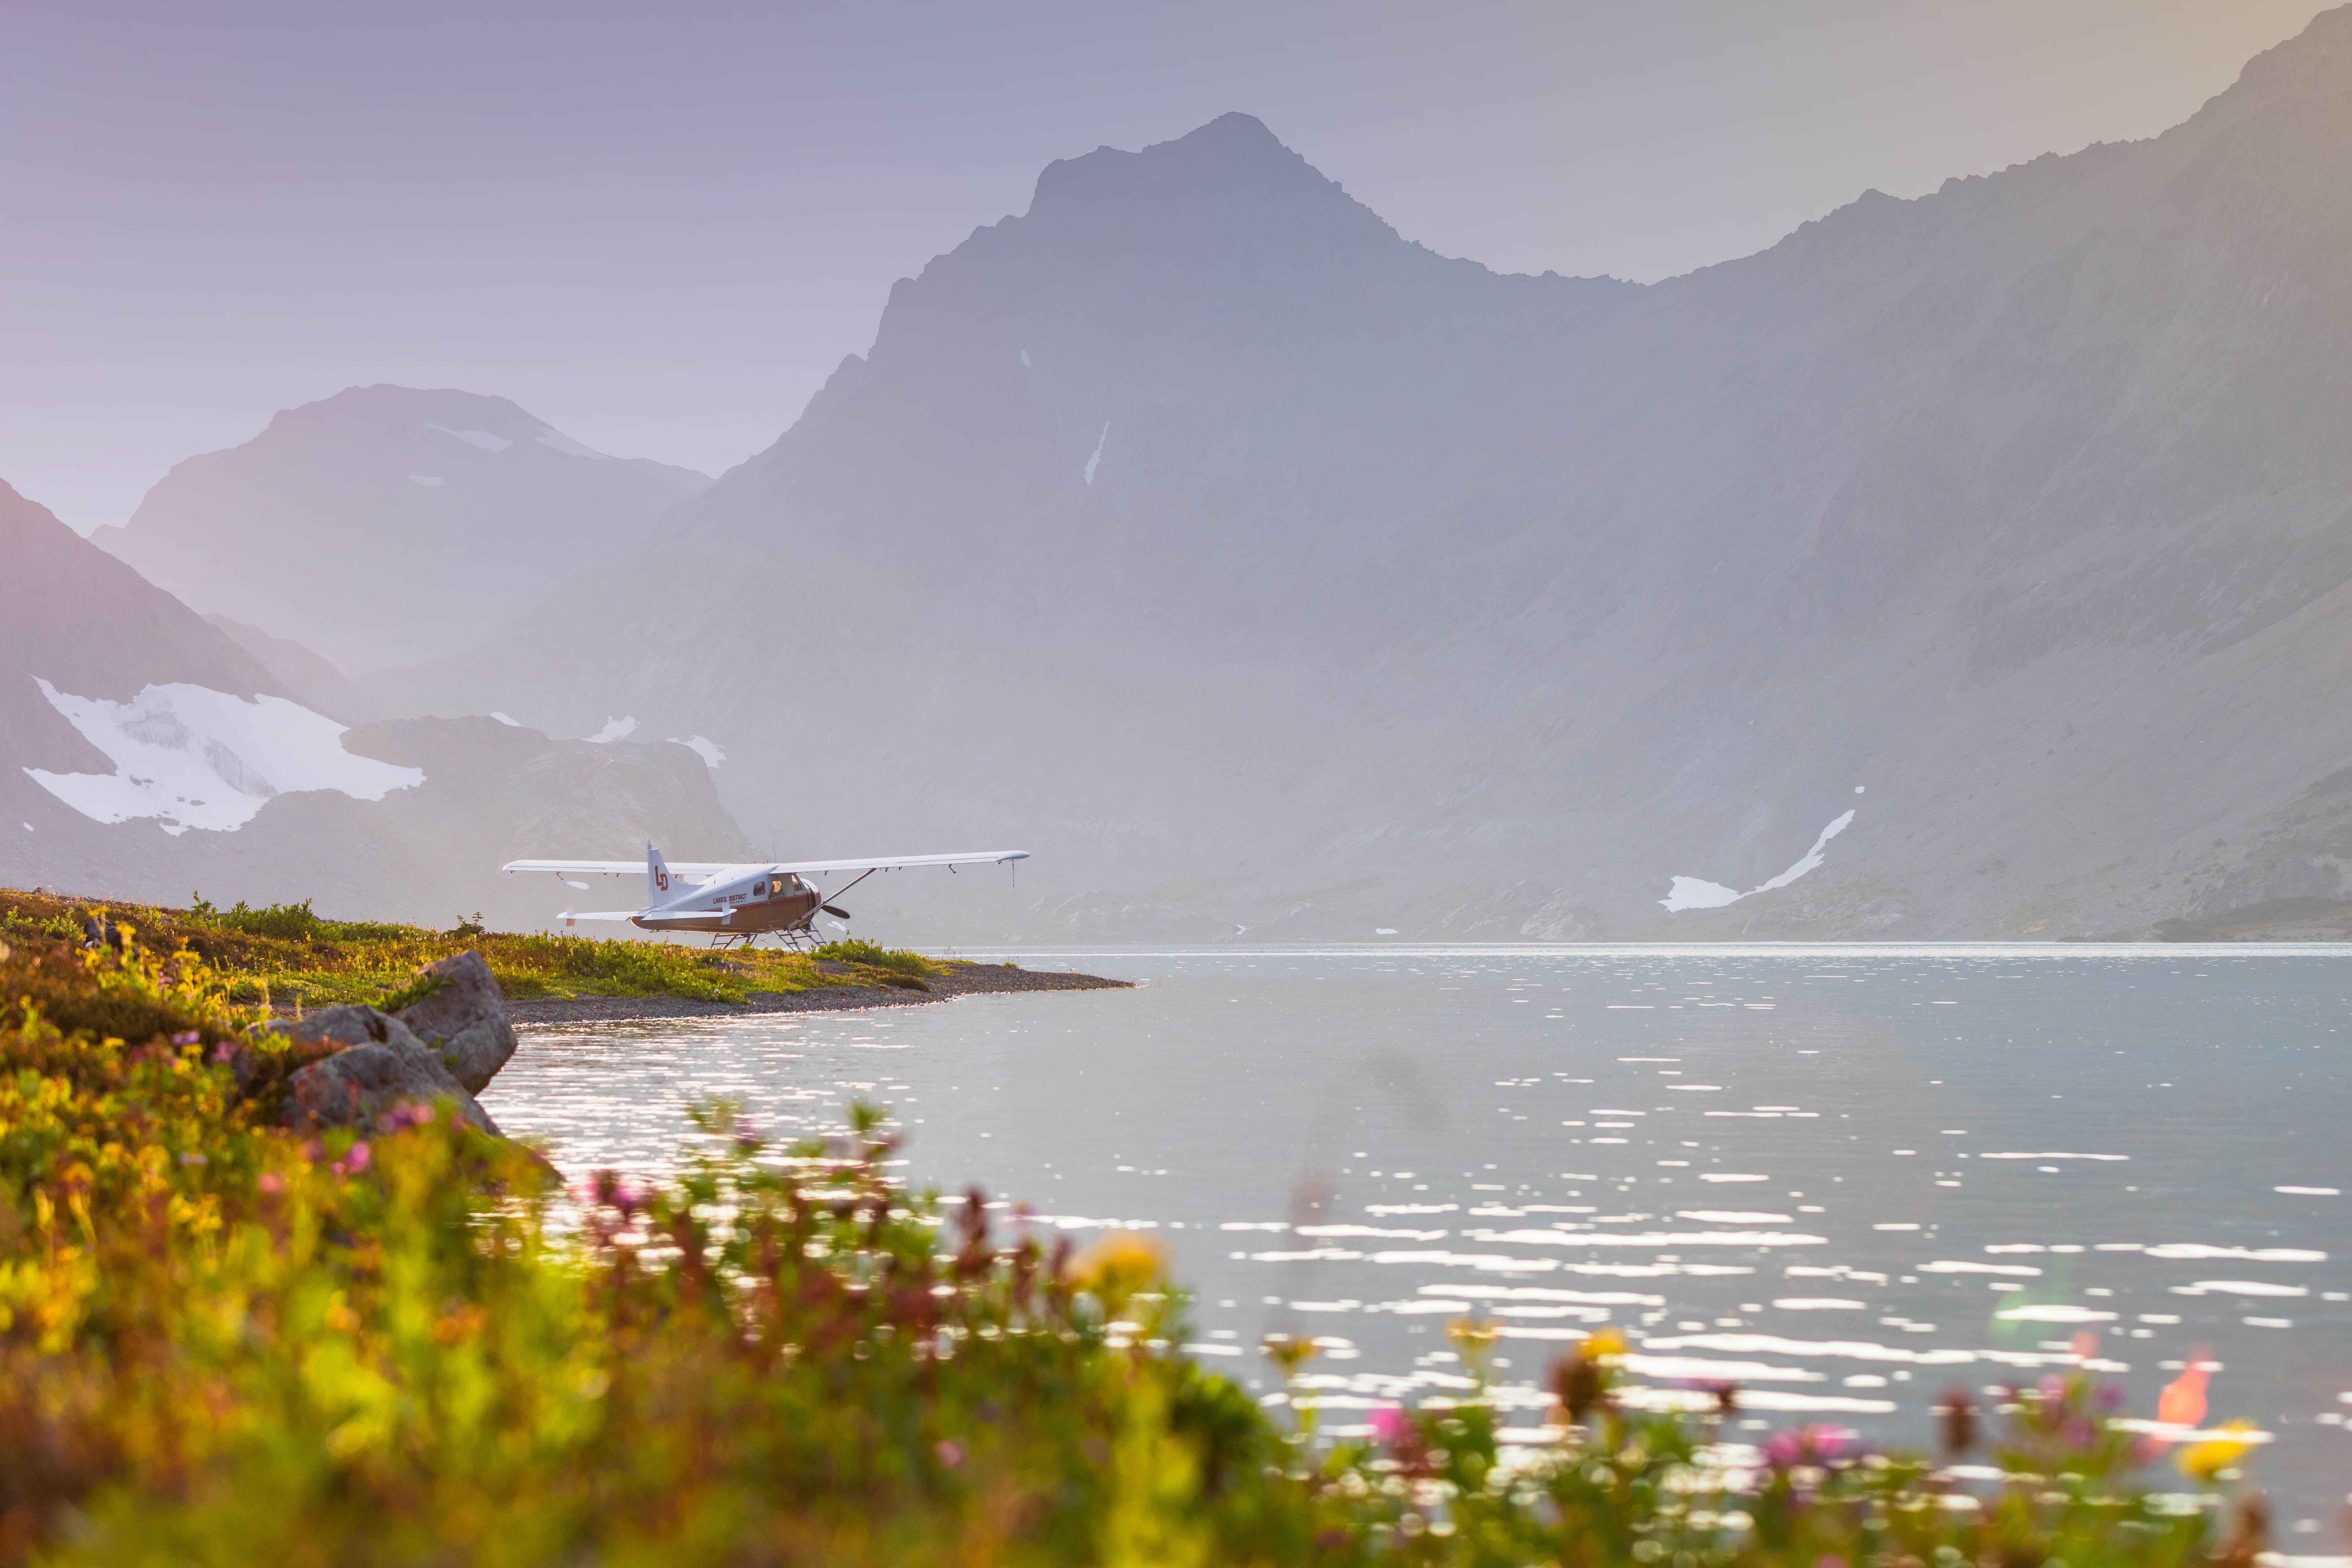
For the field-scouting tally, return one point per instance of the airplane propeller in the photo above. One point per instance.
(839, 914)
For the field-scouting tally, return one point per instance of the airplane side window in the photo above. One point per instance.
(758, 887)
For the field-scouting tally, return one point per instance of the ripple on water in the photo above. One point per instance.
(1368, 1140)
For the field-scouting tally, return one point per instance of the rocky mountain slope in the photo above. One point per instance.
(1264, 571)
(144, 753)
(385, 525)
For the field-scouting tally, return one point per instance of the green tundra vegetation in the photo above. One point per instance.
(286, 956)
(225, 1343)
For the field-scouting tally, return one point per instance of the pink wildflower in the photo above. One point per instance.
(1390, 1424)
(1813, 1445)
(271, 1182)
(950, 1453)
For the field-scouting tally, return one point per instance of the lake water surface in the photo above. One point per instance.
(1846, 1178)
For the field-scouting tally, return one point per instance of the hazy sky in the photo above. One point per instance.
(659, 226)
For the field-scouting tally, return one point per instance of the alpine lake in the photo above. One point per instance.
(1842, 1178)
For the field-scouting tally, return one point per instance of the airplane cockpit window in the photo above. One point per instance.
(759, 889)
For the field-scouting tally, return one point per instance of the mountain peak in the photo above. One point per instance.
(1232, 171)
(1232, 131)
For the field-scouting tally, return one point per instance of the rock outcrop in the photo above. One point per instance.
(364, 1063)
(359, 1085)
(464, 1019)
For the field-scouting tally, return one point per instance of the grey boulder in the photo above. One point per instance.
(465, 1019)
(381, 1064)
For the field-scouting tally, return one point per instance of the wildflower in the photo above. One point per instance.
(271, 1182)
(1116, 1266)
(186, 1038)
(1958, 1412)
(1390, 1424)
(1472, 1337)
(2182, 1403)
(950, 1453)
(1580, 1379)
(1289, 1352)
(1809, 1445)
(2204, 1461)
(224, 1052)
(353, 1161)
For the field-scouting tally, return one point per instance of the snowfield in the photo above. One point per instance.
(1691, 893)
(192, 757)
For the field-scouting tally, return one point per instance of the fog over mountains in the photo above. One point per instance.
(1264, 570)
(1977, 566)
(384, 526)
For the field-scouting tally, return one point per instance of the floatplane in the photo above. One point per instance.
(740, 903)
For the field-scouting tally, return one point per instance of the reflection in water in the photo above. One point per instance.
(1845, 1178)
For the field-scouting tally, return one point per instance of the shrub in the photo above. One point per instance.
(872, 955)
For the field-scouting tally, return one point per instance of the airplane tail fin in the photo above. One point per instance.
(660, 886)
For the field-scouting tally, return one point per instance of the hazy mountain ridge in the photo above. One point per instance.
(85, 622)
(1265, 570)
(386, 525)
(164, 757)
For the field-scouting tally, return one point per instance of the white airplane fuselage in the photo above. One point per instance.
(726, 901)
(761, 902)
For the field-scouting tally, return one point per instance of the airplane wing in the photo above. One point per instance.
(903, 862)
(616, 868)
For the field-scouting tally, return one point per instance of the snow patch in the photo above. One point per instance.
(1691, 893)
(482, 439)
(428, 481)
(1094, 461)
(613, 730)
(509, 723)
(709, 750)
(193, 757)
(568, 446)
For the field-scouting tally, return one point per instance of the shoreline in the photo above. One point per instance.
(961, 979)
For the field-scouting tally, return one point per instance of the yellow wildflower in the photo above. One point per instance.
(1472, 1337)
(1289, 1352)
(2204, 1461)
(1118, 1266)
